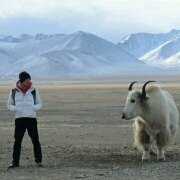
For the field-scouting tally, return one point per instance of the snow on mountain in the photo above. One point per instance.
(141, 43)
(166, 55)
(173, 62)
(69, 63)
(84, 42)
(78, 53)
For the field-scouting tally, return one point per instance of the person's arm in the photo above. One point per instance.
(10, 104)
(38, 104)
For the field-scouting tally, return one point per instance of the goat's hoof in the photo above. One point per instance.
(161, 157)
(145, 157)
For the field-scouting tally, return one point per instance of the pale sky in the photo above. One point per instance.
(110, 19)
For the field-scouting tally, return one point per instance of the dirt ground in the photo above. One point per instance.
(83, 137)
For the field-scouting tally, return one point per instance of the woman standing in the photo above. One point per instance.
(24, 100)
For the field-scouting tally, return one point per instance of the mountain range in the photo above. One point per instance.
(160, 50)
(58, 55)
(83, 54)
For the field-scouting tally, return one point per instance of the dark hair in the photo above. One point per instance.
(23, 76)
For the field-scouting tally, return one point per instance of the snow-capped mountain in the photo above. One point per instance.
(161, 50)
(167, 54)
(141, 43)
(57, 55)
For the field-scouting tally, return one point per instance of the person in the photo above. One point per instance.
(25, 101)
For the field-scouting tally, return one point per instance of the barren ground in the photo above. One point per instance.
(83, 137)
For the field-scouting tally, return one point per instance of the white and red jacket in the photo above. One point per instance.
(24, 105)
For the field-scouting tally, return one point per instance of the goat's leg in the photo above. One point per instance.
(145, 141)
(162, 141)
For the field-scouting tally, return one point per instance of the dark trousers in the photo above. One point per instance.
(21, 124)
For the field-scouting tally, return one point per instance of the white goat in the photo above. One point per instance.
(156, 118)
